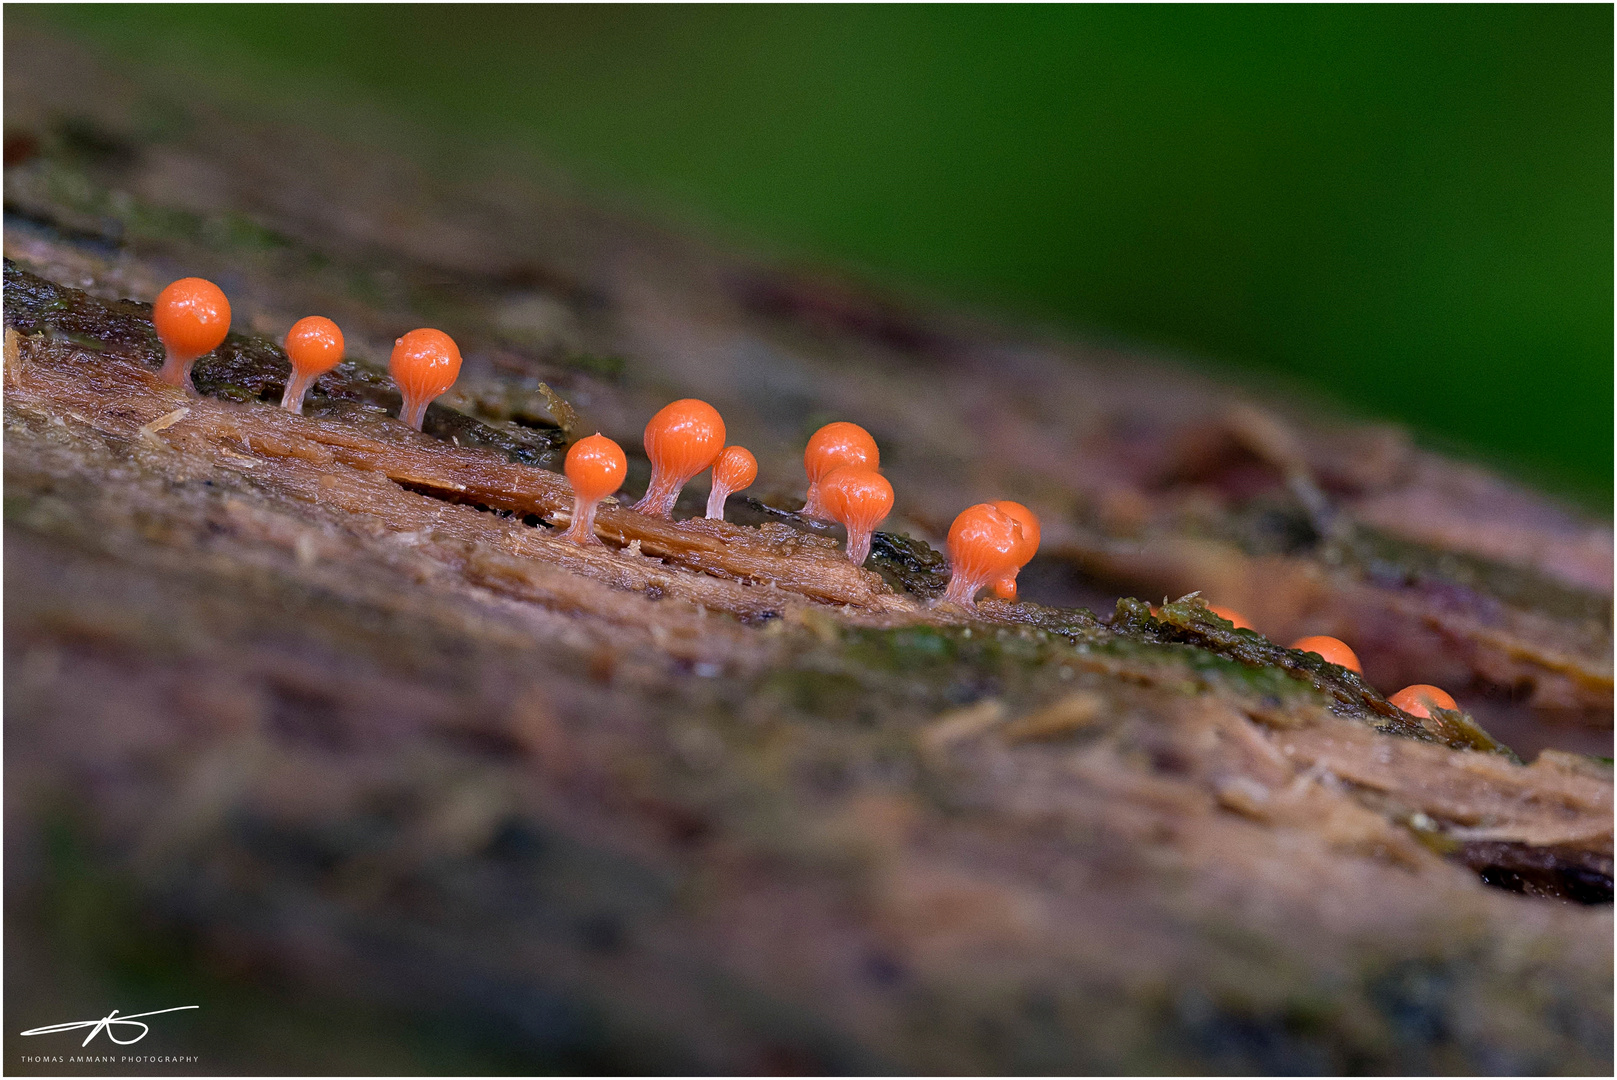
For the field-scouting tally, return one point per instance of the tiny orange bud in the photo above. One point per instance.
(1420, 699)
(735, 469)
(860, 499)
(1005, 586)
(595, 466)
(984, 542)
(192, 317)
(1232, 616)
(681, 440)
(1332, 650)
(832, 447)
(315, 346)
(424, 364)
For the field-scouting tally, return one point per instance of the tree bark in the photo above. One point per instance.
(316, 717)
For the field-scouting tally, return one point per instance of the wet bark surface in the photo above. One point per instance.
(317, 717)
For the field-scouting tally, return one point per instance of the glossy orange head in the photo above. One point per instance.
(735, 470)
(1420, 699)
(425, 363)
(836, 445)
(595, 466)
(860, 499)
(1334, 651)
(1232, 616)
(1028, 521)
(832, 447)
(681, 440)
(315, 346)
(192, 318)
(984, 542)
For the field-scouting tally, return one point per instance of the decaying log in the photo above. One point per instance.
(320, 709)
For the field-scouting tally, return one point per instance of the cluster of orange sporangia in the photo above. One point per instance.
(192, 317)
(1418, 700)
(988, 543)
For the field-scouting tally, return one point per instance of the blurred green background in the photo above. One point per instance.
(1407, 207)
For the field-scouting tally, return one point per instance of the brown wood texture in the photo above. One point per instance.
(316, 717)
